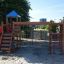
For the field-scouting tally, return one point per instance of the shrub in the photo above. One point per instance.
(53, 26)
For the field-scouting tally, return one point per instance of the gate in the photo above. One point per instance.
(31, 34)
(28, 32)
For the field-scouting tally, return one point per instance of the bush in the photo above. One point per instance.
(53, 26)
(0, 22)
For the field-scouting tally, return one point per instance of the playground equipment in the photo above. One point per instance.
(55, 38)
(9, 38)
(6, 40)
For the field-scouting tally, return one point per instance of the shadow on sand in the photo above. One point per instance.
(34, 54)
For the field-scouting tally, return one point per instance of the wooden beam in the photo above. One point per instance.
(30, 23)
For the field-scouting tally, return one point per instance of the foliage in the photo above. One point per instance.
(53, 26)
(21, 6)
(0, 22)
(27, 30)
(45, 27)
(42, 27)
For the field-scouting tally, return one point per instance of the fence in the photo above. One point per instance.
(26, 32)
(42, 35)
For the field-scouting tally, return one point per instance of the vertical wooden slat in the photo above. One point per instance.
(1, 35)
(49, 44)
(63, 38)
(59, 38)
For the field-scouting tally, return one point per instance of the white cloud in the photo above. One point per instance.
(50, 13)
(37, 14)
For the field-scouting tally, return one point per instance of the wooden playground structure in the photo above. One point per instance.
(8, 35)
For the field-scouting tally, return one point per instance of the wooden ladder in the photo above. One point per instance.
(6, 42)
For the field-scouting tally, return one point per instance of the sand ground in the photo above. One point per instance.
(32, 54)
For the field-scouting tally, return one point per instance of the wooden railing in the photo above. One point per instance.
(1, 35)
(50, 33)
(34, 23)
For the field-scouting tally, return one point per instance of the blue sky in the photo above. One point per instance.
(50, 9)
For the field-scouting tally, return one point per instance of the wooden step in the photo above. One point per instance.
(6, 35)
(5, 49)
(6, 38)
(6, 41)
(5, 45)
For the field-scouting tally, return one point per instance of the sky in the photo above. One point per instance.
(49, 9)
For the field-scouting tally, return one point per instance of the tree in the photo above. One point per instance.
(20, 6)
(62, 20)
(53, 26)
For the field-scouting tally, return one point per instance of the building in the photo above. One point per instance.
(43, 20)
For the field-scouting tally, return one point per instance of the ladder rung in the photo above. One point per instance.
(5, 44)
(6, 37)
(6, 41)
(5, 49)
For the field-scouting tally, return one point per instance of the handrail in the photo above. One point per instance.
(0, 40)
(1, 35)
(30, 23)
(55, 33)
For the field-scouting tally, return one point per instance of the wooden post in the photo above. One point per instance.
(49, 44)
(63, 38)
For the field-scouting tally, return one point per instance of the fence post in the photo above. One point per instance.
(63, 38)
(49, 44)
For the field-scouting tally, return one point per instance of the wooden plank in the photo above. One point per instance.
(30, 23)
(5, 44)
(5, 49)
